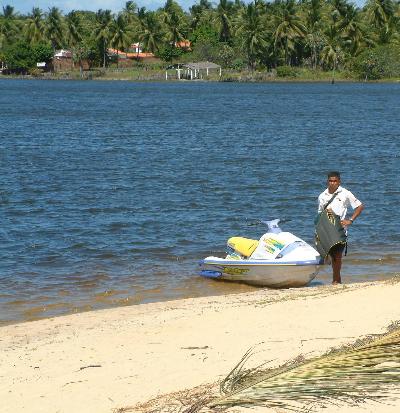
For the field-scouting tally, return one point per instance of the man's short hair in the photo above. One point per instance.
(334, 174)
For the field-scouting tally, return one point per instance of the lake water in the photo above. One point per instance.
(111, 192)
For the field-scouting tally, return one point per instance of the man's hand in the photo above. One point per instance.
(346, 222)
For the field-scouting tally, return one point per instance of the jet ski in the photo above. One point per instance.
(277, 260)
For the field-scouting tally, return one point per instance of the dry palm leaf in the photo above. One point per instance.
(369, 369)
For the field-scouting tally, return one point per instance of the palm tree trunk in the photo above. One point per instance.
(287, 53)
(104, 54)
(314, 56)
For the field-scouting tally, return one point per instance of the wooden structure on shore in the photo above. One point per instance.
(193, 71)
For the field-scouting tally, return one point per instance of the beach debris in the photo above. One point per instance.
(89, 366)
(194, 348)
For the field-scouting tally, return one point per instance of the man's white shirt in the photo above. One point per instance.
(342, 201)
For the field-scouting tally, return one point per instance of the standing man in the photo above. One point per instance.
(342, 199)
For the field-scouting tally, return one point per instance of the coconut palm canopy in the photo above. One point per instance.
(324, 34)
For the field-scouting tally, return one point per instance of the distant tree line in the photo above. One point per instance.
(286, 34)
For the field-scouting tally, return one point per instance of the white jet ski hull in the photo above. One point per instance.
(261, 273)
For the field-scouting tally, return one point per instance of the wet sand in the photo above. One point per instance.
(104, 360)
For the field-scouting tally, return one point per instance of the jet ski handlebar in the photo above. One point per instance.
(273, 225)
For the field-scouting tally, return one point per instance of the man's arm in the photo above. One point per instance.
(357, 211)
(320, 205)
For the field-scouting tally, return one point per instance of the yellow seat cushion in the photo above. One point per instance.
(244, 246)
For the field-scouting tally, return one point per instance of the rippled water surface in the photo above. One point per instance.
(111, 192)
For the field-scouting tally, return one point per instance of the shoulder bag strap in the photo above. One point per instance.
(333, 197)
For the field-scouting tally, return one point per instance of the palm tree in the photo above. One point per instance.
(174, 28)
(74, 28)
(175, 23)
(353, 31)
(172, 6)
(199, 12)
(120, 35)
(103, 30)
(151, 32)
(288, 28)
(313, 23)
(251, 29)
(381, 13)
(74, 35)
(54, 28)
(141, 13)
(331, 53)
(339, 9)
(224, 12)
(129, 11)
(8, 24)
(35, 26)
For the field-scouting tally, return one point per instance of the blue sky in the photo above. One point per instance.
(25, 6)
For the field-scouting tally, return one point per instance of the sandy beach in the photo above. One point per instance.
(113, 360)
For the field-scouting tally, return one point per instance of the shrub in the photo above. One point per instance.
(286, 71)
(238, 64)
(378, 63)
(42, 52)
(170, 53)
(226, 54)
(21, 56)
(35, 72)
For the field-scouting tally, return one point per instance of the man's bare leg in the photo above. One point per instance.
(336, 256)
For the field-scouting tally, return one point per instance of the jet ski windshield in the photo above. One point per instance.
(273, 226)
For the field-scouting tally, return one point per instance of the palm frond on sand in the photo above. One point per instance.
(185, 401)
(368, 369)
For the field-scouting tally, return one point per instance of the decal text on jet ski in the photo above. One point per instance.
(235, 270)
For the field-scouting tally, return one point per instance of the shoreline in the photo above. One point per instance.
(73, 77)
(20, 311)
(120, 357)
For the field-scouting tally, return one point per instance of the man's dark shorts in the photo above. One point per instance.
(339, 248)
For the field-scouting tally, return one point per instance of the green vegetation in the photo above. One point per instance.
(282, 39)
(21, 57)
(382, 62)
